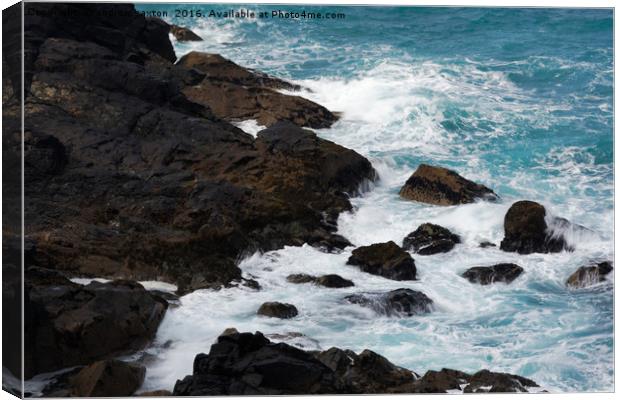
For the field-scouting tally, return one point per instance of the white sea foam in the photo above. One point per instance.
(250, 126)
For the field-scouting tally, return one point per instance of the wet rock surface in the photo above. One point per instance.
(183, 34)
(330, 281)
(444, 187)
(485, 381)
(441, 381)
(67, 324)
(589, 275)
(384, 259)
(430, 239)
(525, 230)
(109, 378)
(399, 302)
(495, 273)
(277, 310)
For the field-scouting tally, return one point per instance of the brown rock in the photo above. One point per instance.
(495, 273)
(156, 393)
(183, 34)
(589, 275)
(277, 310)
(441, 186)
(109, 378)
(430, 239)
(384, 259)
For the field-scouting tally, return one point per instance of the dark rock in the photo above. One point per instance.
(589, 275)
(277, 310)
(440, 381)
(495, 273)
(384, 259)
(486, 244)
(525, 230)
(430, 239)
(296, 339)
(236, 93)
(249, 364)
(252, 284)
(301, 278)
(486, 381)
(68, 324)
(183, 34)
(334, 281)
(109, 378)
(399, 302)
(444, 187)
(156, 393)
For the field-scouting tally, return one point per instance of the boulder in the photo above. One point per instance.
(399, 302)
(108, 378)
(444, 187)
(384, 259)
(495, 273)
(183, 34)
(249, 364)
(485, 381)
(236, 93)
(589, 275)
(525, 230)
(277, 310)
(330, 281)
(430, 239)
(67, 324)
(486, 244)
(441, 381)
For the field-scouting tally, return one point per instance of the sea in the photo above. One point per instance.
(518, 99)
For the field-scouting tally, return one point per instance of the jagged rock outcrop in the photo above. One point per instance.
(109, 378)
(526, 231)
(384, 259)
(444, 187)
(183, 34)
(495, 273)
(430, 239)
(589, 275)
(399, 302)
(67, 324)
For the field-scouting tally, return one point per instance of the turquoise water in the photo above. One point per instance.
(517, 99)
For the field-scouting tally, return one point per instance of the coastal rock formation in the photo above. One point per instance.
(183, 34)
(126, 177)
(277, 310)
(109, 378)
(589, 275)
(430, 239)
(235, 93)
(399, 302)
(525, 230)
(384, 259)
(330, 281)
(444, 187)
(249, 364)
(68, 324)
(495, 273)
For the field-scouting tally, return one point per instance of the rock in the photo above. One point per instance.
(68, 324)
(156, 393)
(229, 332)
(589, 275)
(444, 187)
(183, 34)
(334, 281)
(399, 302)
(277, 310)
(494, 382)
(441, 381)
(430, 239)
(384, 259)
(487, 244)
(495, 273)
(296, 339)
(366, 373)
(525, 230)
(235, 93)
(109, 378)
(249, 364)
(330, 281)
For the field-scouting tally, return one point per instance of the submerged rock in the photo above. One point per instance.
(495, 273)
(589, 275)
(430, 239)
(525, 230)
(485, 381)
(277, 310)
(68, 324)
(384, 259)
(109, 378)
(444, 187)
(399, 302)
(330, 281)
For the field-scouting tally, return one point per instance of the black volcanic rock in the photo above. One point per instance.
(589, 275)
(444, 187)
(67, 324)
(525, 230)
(494, 273)
(441, 381)
(430, 239)
(397, 302)
(384, 259)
